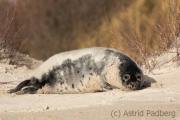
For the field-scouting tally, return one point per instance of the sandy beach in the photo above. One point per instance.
(160, 101)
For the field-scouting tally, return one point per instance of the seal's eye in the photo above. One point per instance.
(126, 77)
(138, 76)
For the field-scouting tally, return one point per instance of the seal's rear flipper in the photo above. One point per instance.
(30, 90)
(20, 86)
(34, 85)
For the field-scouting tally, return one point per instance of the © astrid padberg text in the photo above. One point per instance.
(142, 113)
(149, 113)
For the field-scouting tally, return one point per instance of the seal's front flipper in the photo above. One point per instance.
(19, 87)
(106, 86)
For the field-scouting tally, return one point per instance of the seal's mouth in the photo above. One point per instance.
(132, 81)
(133, 85)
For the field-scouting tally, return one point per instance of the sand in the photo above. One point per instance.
(160, 101)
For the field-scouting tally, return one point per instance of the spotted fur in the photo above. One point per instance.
(84, 70)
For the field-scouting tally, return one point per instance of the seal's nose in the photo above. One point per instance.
(126, 77)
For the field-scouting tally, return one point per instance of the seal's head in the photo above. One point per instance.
(131, 75)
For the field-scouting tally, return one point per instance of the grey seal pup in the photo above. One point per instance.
(84, 70)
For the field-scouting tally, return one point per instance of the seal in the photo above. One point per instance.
(84, 70)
